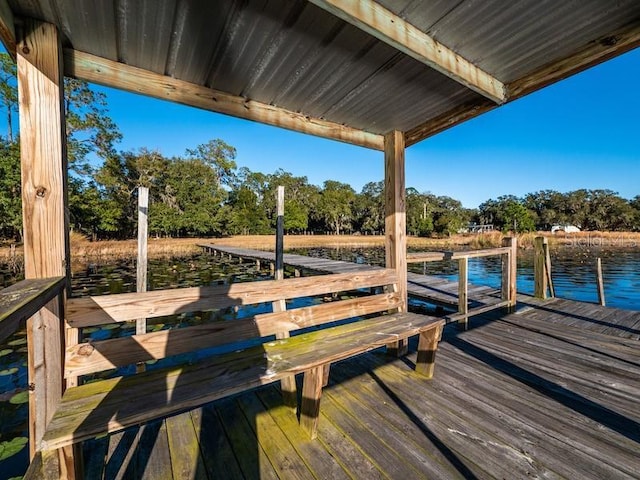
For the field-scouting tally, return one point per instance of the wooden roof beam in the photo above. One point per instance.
(106, 72)
(386, 26)
(590, 55)
(7, 28)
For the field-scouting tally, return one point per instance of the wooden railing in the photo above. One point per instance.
(508, 253)
(22, 300)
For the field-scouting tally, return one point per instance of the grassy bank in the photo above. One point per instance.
(84, 251)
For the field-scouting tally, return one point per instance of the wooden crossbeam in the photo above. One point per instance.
(593, 53)
(99, 70)
(7, 29)
(386, 26)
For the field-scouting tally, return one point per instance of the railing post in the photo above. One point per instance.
(540, 269)
(463, 292)
(287, 384)
(509, 271)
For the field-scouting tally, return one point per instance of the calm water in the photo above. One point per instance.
(573, 273)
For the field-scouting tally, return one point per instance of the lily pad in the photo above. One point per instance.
(8, 371)
(5, 352)
(18, 341)
(13, 446)
(19, 398)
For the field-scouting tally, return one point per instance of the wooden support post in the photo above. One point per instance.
(463, 292)
(280, 233)
(44, 209)
(395, 219)
(310, 406)
(539, 270)
(287, 384)
(600, 280)
(141, 270)
(510, 271)
(427, 346)
(141, 266)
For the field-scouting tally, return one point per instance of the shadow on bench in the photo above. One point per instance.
(229, 356)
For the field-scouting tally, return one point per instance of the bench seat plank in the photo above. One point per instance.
(114, 404)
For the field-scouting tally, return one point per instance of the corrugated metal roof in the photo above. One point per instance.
(295, 55)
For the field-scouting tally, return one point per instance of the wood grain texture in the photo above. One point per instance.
(104, 309)
(395, 210)
(44, 196)
(23, 299)
(119, 75)
(383, 24)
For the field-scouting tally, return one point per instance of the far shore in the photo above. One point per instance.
(84, 251)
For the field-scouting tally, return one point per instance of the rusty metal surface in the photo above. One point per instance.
(294, 55)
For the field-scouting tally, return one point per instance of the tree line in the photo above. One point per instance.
(204, 193)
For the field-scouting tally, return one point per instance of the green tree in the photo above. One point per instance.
(10, 190)
(218, 155)
(8, 91)
(335, 205)
(368, 208)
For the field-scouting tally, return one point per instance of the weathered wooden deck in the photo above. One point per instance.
(430, 288)
(545, 392)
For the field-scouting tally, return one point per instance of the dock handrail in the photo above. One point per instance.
(508, 253)
(23, 299)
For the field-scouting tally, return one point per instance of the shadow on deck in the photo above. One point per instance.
(521, 395)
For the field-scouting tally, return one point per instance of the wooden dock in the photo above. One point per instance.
(540, 393)
(429, 288)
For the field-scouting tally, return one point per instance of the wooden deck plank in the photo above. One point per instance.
(184, 448)
(458, 436)
(217, 453)
(313, 453)
(254, 461)
(276, 445)
(374, 448)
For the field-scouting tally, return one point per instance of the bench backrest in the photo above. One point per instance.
(90, 357)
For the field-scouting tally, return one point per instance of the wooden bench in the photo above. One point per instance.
(110, 405)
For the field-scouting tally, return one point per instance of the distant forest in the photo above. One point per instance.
(204, 193)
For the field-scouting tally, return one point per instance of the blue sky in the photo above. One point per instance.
(579, 133)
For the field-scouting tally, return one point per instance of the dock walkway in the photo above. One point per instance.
(429, 288)
(539, 393)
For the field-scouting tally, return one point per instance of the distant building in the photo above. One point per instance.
(565, 229)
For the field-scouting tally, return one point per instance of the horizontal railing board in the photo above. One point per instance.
(23, 299)
(416, 257)
(92, 357)
(104, 309)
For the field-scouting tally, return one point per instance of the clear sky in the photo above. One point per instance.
(583, 132)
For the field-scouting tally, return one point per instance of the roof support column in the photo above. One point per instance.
(395, 213)
(44, 204)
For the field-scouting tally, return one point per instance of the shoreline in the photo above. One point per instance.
(84, 251)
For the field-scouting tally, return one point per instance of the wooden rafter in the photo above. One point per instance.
(119, 75)
(7, 29)
(386, 26)
(590, 55)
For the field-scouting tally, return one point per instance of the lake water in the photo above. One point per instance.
(573, 272)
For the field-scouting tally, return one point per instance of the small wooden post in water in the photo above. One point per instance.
(463, 292)
(539, 269)
(287, 384)
(547, 267)
(600, 280)
(509, 271)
